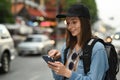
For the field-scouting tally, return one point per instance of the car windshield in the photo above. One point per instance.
(30, 39)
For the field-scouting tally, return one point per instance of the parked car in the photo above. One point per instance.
(7, 50)
(116, 42)
(35, 44)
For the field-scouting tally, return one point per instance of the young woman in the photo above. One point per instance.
(78, 32)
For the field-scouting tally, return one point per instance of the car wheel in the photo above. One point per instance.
(5, 63)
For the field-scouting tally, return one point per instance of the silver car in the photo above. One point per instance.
(35, 44)
(7, 50)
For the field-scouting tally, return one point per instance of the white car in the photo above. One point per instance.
(116, 42)
(7, 50)
(35, 44)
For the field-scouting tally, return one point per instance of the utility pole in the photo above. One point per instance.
(15, 4)
(56, 28)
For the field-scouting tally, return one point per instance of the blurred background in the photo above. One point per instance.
(34, 30)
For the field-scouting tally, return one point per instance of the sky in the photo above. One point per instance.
(109, 11)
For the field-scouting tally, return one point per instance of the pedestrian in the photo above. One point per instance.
(78, 31)
(108, 39)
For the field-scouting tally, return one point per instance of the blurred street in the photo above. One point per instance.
(24, 18)
(28, 68)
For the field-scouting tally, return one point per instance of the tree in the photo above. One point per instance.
(5, 12)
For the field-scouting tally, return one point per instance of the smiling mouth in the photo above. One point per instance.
(73, 31)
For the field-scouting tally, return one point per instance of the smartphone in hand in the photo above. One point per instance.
(48, 58)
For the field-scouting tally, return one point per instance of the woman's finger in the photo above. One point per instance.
(52, 53)
(52, 63)
(53, 67)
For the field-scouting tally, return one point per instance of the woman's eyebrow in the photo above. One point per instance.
(72, 19)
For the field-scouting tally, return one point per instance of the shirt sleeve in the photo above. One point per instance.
(58, 77)
(98, 67)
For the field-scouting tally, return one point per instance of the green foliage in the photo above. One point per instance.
(68, 3)
(5, 12)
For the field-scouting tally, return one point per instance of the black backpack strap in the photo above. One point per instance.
(65, 58)
(87, 52)
(65, 54)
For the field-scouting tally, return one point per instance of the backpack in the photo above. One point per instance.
(112, 57)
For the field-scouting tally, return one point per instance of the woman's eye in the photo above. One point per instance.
(74, 22)
(71, 22)
(67, 23)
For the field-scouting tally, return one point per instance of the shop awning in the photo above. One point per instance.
(34, 12)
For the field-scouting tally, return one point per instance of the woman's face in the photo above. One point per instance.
(73, 25)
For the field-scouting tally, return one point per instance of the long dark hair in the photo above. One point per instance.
(85, 34)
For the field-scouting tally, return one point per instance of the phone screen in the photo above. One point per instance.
(47, 58)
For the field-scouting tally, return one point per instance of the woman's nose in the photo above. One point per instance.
(70, 26)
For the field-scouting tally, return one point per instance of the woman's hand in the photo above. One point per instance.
(55, 54)
(60, 69)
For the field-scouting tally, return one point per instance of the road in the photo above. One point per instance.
(28, 68)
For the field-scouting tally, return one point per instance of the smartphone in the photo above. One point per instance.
(47, 58)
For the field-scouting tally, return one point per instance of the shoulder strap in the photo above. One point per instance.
(65, 54)
(65, 58)
(87, 52)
